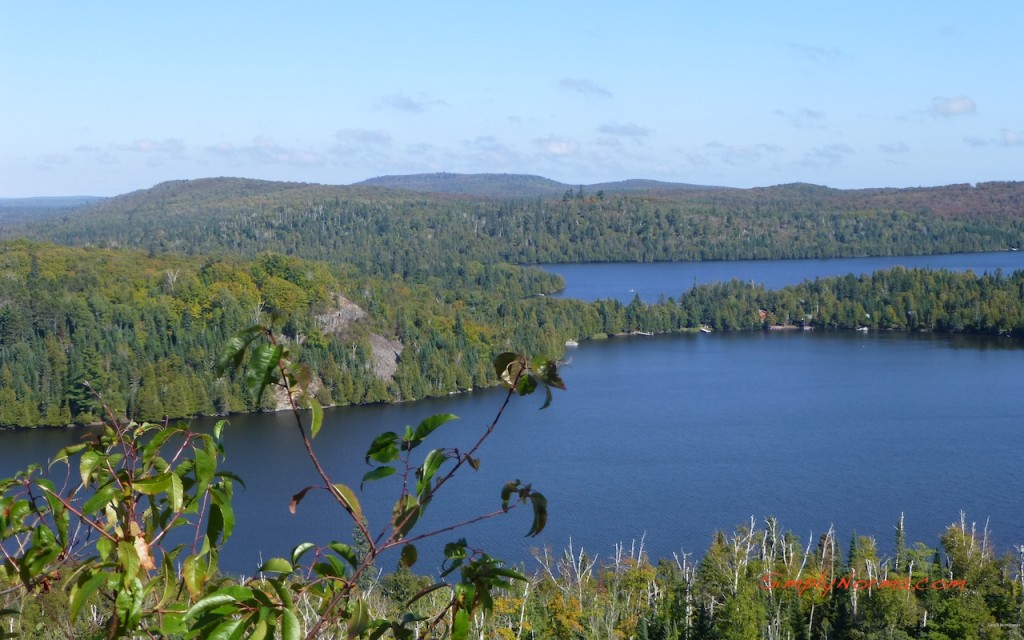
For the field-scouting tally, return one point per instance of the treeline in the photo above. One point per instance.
(417, 235)
(765, 583)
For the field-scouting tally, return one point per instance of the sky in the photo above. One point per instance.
(103, 98)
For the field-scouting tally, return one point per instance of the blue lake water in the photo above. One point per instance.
(622, 281)
(674, 437)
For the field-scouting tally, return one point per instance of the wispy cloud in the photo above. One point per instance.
(741, 153)
(802, 117)
(170, 146)
(829, 155)
(944, 107)
(409, 104)
(585, 87)
(625, 129)
(362, 137)
(1006, 138)
(490, 152)
(894, 147)
(815, 52)
(264, 150)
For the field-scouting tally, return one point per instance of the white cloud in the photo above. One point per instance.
(1012, 138)
(944, 107)
(584, 86)
(558, 146)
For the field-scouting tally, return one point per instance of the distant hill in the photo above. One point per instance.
(384, 227)
(511, 185)
(15, 210)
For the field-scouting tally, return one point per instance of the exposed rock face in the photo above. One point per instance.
(385, 356)
(337, 321)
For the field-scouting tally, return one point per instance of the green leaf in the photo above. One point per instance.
(276, 565)
(90, 460)
(128, 558)
(227, 630)
(404, 515)
(506, 493)
(218, 428)
(234, 351)
(262, 369)
(460, 625)
(300, 550)
(66, 452)
(350, 502)
(154, 484)
(377, 474)
(359, 621)
(290, 628)
(84, 589)
(384, 448)
(527, 385)
(540, 514)
(318, 417)
(194, 573)
(302, 375)
(345, 552)
(409, 556)
(210, 602)
(152, 448)
(101, 498)
(259, 631)
(431, 464)
(429, 425)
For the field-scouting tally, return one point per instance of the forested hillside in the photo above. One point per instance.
(412, 235)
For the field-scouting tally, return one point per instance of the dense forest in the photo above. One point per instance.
(417, 235)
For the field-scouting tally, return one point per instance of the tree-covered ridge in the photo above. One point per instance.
(421, 234)
(146, 330)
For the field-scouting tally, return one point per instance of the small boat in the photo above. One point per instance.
(571, 343)
(705, 328)
(863, 329)
(644, 333)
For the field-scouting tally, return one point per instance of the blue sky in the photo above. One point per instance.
(105, 98)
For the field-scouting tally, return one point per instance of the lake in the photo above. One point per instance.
(622, 281)
(674, 437)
